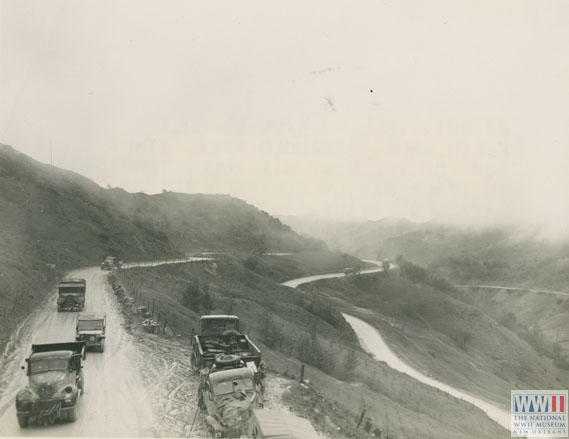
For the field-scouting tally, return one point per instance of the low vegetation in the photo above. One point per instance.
(293, 327)
(429, 323)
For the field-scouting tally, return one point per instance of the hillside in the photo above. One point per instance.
(54, 220)
(443, 332)
(294, 327)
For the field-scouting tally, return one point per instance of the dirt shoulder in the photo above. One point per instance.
(165, 365)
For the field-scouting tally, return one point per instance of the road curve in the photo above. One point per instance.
(115, 403)
(372, 342)
(293, 283)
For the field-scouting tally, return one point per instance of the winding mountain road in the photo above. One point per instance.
(371, 341)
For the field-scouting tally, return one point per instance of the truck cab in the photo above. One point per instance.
(71, 295)
(90, 328)
(218, 324)
(55, 381)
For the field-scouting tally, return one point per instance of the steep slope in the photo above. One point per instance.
(53, 220)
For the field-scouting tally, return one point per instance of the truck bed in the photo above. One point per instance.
(210, 347)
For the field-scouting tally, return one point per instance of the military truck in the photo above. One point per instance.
(71, 295)
(90, 328)
(219, 335)
(386, 264)
(111, 263)
(55, 381)
(278, 424)
(227, 393)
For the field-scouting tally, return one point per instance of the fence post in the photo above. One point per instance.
(302, 373)
(361, 419)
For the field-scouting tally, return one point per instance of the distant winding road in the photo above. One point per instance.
(371, 341)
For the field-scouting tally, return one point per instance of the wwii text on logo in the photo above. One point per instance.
(539, 413)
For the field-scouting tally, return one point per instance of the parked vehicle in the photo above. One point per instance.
(278, 424)
(386, 264)
(71, 295)
(54, 384)
(227, 393)
(111, 263)
(90, 328)
(219, 335)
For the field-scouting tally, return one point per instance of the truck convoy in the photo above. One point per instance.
(71, 295)
(55, 381)
(231, 374)
(90, 328)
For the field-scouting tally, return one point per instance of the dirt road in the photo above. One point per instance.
(115, 402)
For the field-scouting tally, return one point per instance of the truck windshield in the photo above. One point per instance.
(47, 364)
(218, 326)
(70, 290)
(235, 385)
(88, 325)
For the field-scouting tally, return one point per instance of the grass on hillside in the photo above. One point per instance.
(457, 342)
(293, 327)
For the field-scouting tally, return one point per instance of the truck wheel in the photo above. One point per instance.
(194, 364)
(23, 421)
(227, 360)
(72, 414)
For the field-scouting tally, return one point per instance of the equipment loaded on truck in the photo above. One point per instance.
(71, 295)
(227, 393)
(55, 383)
(90, 328)
(231, 374)
(219, 335)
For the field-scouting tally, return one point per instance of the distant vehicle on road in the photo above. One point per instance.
(54, 384)
(111, 263)
(90, 329)
(350, 270)
(71, 295)
(276, 424)
(386, 264)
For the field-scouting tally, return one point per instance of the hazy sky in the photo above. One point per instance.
(451, 109)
